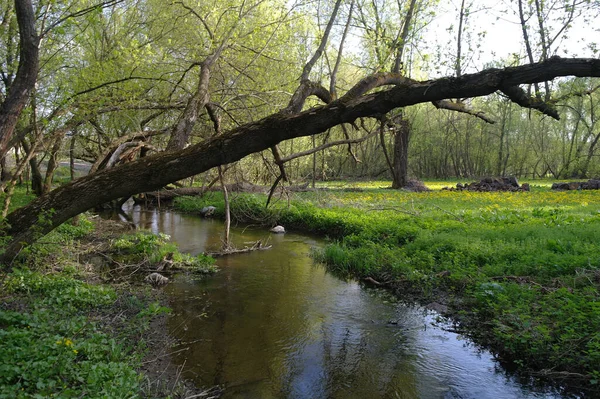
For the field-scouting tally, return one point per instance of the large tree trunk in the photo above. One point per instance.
(152, 172)
(401, 139)
(21, 87)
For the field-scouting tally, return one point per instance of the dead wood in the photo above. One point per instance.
(257, 246)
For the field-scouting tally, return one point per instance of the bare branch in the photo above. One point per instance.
(332, 88)
(328, 145)
(376, 80)
(324, 39)
(202, 20)
(462, 107)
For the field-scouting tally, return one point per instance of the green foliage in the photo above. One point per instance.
(75, 231)
(53, 347)
(58, 289)
(155, 248)
(57, 243)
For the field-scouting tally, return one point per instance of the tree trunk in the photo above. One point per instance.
(152, 172)
(72, 154)
(21, 87)
(5, 174)
(401, 139)
(52, 164)
(36, 174)
(36, 177)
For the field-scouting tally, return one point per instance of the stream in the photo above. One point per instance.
(272, 324)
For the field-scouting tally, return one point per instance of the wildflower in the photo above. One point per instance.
(65, 341)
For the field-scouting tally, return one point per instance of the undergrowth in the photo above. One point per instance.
(63, 333)
(54, 341)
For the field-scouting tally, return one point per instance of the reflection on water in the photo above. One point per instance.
(271, 324)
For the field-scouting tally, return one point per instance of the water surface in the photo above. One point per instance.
(271, 324)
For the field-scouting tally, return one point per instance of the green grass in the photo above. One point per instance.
(433, 184)
(523, 268)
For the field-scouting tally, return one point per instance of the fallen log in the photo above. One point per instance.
(166, 196)
(592, 184)
(232, 251)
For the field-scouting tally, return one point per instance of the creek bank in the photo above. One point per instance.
(77, 298)
(540, 320)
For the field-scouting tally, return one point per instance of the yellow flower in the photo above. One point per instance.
(65, 341)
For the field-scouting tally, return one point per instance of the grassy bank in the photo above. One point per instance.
(74, 322)
(520, 270)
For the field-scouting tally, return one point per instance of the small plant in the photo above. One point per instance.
(52, 349)
(155, 248)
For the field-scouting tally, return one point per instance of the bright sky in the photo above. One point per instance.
(503, 36)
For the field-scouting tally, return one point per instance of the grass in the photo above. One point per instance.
(522, 269)
(63, 332)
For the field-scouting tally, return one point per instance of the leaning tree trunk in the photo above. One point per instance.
(401, 139)
(29, 223)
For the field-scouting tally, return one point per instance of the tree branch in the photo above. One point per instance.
(461, 107)
(328, 145)
(152, 172)
(519, 96)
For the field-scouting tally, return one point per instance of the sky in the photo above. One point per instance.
(503, 32)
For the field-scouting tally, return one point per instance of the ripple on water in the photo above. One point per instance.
(271, 324)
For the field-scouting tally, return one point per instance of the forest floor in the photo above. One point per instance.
(77, 320)
(518, 272)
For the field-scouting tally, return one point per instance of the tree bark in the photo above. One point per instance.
(52, 163)
(152, 172)
(37, 185)
(401, 139)
(20, 89)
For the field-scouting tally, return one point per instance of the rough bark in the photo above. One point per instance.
(183, 129)
(401, 140)
(52, 164)
(21, 87)
(152, 172)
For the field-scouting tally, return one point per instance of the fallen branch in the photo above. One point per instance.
(231, 251)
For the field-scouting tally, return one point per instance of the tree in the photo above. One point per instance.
(17, 90)
(28, 223)
(388, 41)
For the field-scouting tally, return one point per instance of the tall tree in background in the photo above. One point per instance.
(388, 41)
